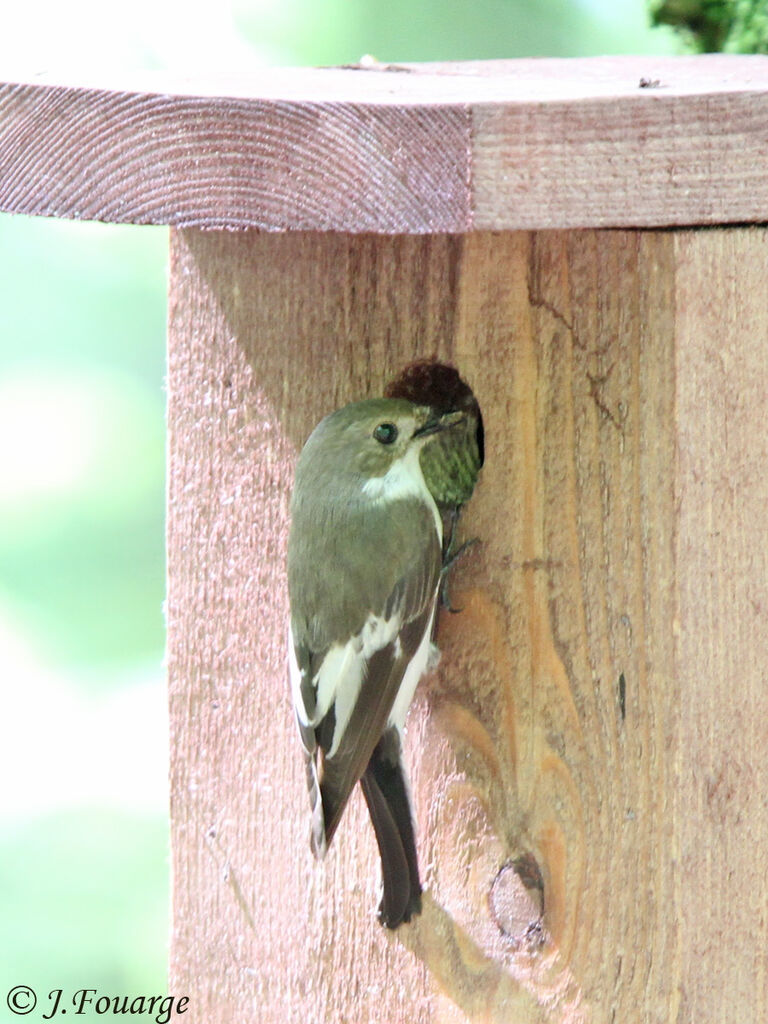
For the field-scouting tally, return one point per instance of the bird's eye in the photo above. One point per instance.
(386, 433)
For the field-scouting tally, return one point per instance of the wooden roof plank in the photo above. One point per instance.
(620, 141)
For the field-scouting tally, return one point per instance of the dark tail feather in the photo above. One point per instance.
(387, 798)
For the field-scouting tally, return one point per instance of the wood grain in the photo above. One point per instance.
(594, 741)
(400, 149)
(225, 162)
(721, 629)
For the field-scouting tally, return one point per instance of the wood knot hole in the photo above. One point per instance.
(516, 901)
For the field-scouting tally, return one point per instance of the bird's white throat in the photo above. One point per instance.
(404, 479)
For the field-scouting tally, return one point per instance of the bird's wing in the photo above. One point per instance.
(384, 677)
(344, 693)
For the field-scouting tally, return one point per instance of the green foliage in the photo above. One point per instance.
(337, 31)
(80, 928)
(710, 26)
(81, 502)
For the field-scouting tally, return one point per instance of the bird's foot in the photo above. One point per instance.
(449, 560)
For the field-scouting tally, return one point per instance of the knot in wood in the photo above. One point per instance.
(516, 900)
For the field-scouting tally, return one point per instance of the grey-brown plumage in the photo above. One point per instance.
(364, 564)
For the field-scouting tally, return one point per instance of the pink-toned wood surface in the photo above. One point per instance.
(397, 149)
(599, 717)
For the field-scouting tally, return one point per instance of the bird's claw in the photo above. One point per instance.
(449, 560)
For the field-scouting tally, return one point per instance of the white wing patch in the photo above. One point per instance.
(426, 657)
(296, 676)
(343, 688)
(404, 479)
(341, 674)
(338, 682)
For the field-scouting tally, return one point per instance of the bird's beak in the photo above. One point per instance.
(437, 423)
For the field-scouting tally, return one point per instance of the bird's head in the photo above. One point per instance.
(367, 438)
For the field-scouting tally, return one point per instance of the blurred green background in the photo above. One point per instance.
(83, 737)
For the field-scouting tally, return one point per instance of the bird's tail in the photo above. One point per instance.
(386, 794)
(317, 832)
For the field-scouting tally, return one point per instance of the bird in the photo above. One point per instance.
(365, 563)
